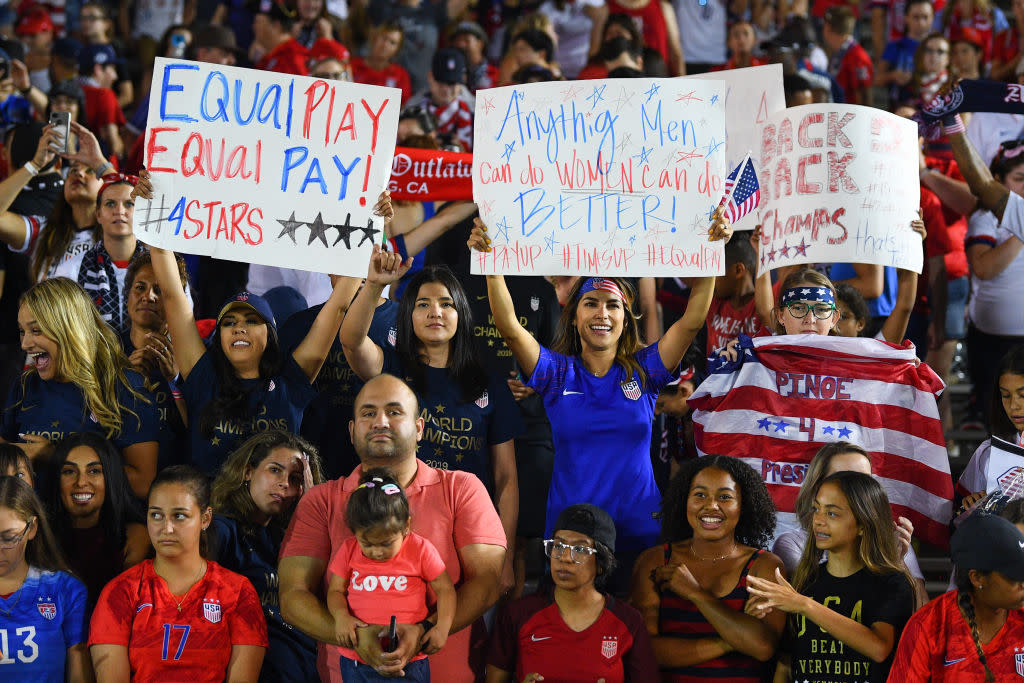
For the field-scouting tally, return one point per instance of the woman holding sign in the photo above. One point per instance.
(242, 383)
(599, 386)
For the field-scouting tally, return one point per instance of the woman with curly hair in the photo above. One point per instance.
(254, 496)
(848, 610)
(716, 518)
(78, 380)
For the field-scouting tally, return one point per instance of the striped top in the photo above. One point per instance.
(680, 618)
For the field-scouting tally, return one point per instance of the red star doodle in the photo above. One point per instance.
(687, 97)
(687, 156)
(486, 207)
(571, 92)
(801, 249)
(771, 255)
(488, 105)
(785, 250)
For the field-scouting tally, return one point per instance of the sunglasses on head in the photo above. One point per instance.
(1010, 149)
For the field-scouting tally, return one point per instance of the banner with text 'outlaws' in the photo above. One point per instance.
(787, 396)
(266, 168)
(604, 177)
(839, 184)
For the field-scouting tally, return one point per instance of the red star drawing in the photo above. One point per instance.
(687, 97)
(571, 92)
(488, 105)
(485, 207)
(686, 156)
(801, 249)
(785, 250)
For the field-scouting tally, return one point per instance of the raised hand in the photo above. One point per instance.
(478, 240)
(386, 267)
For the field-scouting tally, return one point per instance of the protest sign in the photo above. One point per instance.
(751, 95)
(266, 168)
(1006, 467)
(839, 184)
(609, 177)
(430, 175)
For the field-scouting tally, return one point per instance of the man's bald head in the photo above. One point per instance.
(385, 424)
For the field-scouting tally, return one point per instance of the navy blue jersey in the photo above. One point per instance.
(55, 410)
(277, 404)
(47, 616)
(457, 434)
(325, 422)
(252, 552)
(602, 433)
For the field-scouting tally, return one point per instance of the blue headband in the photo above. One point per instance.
(822, 295)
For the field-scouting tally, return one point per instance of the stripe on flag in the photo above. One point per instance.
(743, 195)
(789, 395)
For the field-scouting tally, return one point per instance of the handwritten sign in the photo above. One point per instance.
(839, 184)
(610, 177)
(266, 168)
(751, 96)
(1005, 470)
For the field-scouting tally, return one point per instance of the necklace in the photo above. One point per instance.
(195, 582)
(7, 612)
(712, 559)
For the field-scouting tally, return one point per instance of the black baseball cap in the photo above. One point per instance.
(449, 66)
(252, 301)
(989, 543)
(588, 520)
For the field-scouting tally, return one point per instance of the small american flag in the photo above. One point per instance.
(742, 196)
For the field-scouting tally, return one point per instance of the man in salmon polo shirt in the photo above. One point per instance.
(451, 509)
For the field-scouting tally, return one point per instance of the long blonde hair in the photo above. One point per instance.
(567, 339)
(90, 355)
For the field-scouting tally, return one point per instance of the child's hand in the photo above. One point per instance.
(433, 640)
(345, 630)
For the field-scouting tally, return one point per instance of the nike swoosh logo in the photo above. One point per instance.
(566, 392)
(481, 298)
(1021, 544)
(950, 662)
(537, 640)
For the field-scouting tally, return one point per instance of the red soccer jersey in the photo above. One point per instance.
(936, 646)
(138, 611)
(392, 76)
(530, 636)
(101, 108)
(289, 57)
(855, 73)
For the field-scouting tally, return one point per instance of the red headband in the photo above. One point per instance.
(117, 179)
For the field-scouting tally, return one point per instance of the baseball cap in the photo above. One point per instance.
(67, 48)
(35, 21)
(325, 48)
(220, 37)
(250, 300)
(69, 88)
(285, 301)
(470, 27)
(989, 543)
(449, 66)
(588, 520)
(96, 54)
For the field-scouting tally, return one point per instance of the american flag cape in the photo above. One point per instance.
(787, 396)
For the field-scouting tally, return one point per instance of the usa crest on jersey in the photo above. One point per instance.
(609, 646)
(48, 610)
(534, 303)
(1018, 662)
(393, 336)
(482, 401)
(631, 389)
(211, 610)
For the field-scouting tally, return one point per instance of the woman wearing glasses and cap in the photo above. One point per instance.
(573, 631)
(599, 386)
(974, 633)
(43, 624)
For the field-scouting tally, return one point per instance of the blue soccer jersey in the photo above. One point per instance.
(602, 434)
(38, 623)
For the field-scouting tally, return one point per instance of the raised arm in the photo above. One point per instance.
(895, 326)
(524, 347)
(365, 357)
(12, 226)
(869, 280)
(453, 213)
(311, 353)
(764, 297)
(992, 194)
(181, 323)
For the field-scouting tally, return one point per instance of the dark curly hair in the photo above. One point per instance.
(757, 512)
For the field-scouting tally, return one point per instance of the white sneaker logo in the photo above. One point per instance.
(537, 640)
(566, 392)
(1021, 544)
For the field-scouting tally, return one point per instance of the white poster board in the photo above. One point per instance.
(1006, 467)
(839, 184)
(266, 168)
(751, 95)
(604, 177)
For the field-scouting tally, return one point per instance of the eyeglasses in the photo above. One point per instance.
(334, 76)
(799, 310)
(577, 553)
(935, 51)
(8, 542)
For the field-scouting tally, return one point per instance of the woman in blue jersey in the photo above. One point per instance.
(78, 380)
(254, 496)
(599, 386)
(471, 418)
(717, 518)
(43, 623)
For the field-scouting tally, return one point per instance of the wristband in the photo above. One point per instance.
(427, 624)
(177, 395)
(31, 168)
(26, 91)
(173, 384)
(106, 168)
(953, 124)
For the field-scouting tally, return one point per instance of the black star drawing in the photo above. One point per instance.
(317, 229)
(368, 233)
(290, 226)
(344, 231)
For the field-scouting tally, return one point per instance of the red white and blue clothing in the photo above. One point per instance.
(138, 611)
(38, 623)
(530, 636)
(601, 427)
